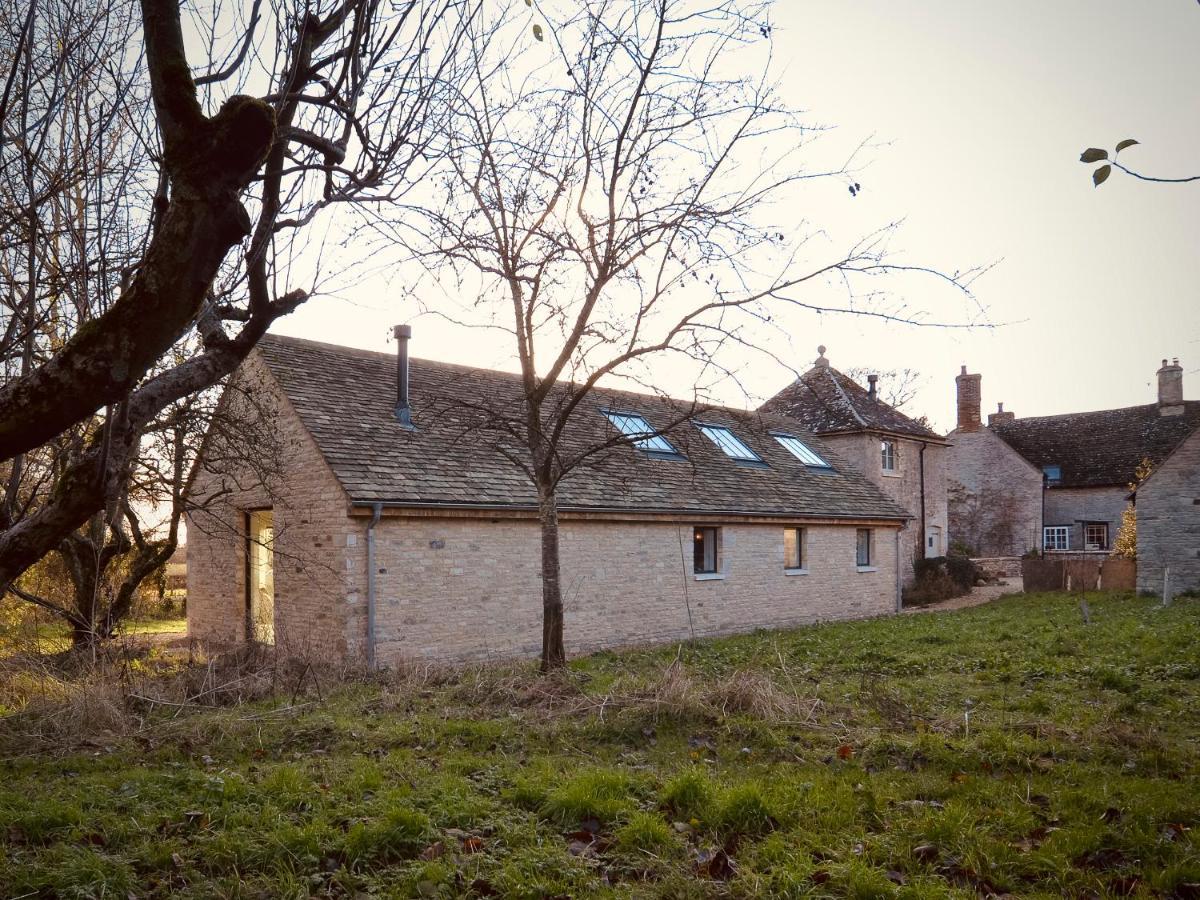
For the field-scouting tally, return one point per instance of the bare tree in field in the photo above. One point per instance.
(188, 186)
(616, 189)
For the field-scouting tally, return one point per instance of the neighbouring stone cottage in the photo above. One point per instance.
(325, 524)
(904, 458)
(1168, 522)
(1056, 483)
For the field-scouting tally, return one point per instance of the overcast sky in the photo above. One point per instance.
(976, 114)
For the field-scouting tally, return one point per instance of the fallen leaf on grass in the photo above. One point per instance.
(435, 850)
(845, 751)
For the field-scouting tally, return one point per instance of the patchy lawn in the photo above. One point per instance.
(50, 637)
(1009, 748)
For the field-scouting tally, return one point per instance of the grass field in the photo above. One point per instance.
(1006, 749)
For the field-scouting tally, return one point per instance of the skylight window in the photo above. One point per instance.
(640, 433)
(800, 450)
(729, 442)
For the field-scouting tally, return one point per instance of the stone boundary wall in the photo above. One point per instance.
(999, 566)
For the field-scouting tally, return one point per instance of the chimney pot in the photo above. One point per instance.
(1000, 416)
(872, 390)
(403, 408)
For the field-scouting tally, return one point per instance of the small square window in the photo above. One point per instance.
(1056, 537)
(794, 556)
(888, 452)
(704, 550)
(863, 548)
(1095, 536)
(1052, 474)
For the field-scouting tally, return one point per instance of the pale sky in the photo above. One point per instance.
(975, 114)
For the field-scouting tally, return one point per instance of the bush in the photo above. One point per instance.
(941, 578)
(963, 571)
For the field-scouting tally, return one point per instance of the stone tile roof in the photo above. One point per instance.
(825, 400)
(457, 454)
(1096, 449)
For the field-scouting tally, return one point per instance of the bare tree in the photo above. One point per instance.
(899, 387)
(209, 194)
(614, 185)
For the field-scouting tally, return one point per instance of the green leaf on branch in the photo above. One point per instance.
(1101, 175)
(1093, 154)
(1128, 142)
(537, 32)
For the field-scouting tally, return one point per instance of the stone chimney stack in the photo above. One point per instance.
(1000, 416)
(968, 401)
(1170, 389)
(873, 387)
(403, 407)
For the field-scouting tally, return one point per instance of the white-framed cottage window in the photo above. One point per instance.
(795, 551)
(640, 432)
(887, 451)
(1056, 537)
(864, 549)
(705, 550)
(1095, 536)
(800, 450)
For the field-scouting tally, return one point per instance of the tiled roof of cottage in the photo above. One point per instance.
(1095, 449)
(825, 400)
(456, 456)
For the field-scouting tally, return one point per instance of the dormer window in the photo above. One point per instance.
(800, 450)
(729, 442)
(640, 433)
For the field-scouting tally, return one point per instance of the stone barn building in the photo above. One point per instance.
(1056, 483)
(1168, 523)
(902, 457)
(332, 515)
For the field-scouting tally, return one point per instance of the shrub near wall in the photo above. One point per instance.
(941, 578)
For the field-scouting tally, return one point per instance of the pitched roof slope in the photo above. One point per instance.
(1097, 449)
(459, 455)
(825, 400)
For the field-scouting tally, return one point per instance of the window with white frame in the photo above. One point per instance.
(887, 451)
(1095, 536)
(800, 450)
(862, 555)
(1056, 537)
(704, 550)
(641, 434)
(729, 442)
(795, 557)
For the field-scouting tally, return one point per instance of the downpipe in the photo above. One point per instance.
(376, 512)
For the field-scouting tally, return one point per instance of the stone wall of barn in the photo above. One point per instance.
(1168, 522)
(259, 456)
(470, 588)
(995, 496)
(863, 451)
(1076, 507)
